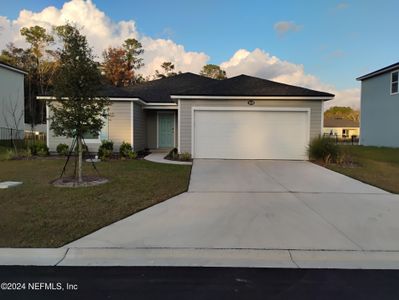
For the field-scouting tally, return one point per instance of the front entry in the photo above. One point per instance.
(166, 130)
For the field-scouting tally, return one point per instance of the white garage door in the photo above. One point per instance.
(249, 134)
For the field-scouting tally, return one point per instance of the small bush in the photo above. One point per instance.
(324, 149)
(8, 154)
(173, 154)
(38, 148)
(126, 151)
(105, 150)
(185, 156)
(63, 149)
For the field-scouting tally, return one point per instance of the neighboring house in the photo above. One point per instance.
(380, 107)
(341, 128)
(237, 118)
(11, 102)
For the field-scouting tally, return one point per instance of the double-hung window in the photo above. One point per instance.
(394, 82)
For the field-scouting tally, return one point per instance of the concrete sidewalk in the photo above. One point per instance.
(159, 157)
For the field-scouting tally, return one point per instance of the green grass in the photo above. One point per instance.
(37, 214)
(378, 166)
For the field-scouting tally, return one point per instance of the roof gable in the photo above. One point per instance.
(160, 90)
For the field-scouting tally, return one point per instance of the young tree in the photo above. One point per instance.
(168, 70)
(77, 109)
(213, 71)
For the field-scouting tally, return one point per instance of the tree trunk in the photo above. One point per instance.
(80, 154)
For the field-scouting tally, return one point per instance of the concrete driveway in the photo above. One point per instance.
(233, 204)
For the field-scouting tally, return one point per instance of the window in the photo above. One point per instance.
(90, 136)
(394, 82)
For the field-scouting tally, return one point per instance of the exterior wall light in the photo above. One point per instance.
(251, 102)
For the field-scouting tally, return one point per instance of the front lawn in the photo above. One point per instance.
(36, 214)
(378, 166)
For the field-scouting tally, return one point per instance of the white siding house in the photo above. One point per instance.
(11, 102)
(380, 107)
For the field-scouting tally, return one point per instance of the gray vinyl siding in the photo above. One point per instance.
(379, 113)
(151, 116)
(187, 105)
(11, 96)
(120, 123)
(118, 129)
(139, 127)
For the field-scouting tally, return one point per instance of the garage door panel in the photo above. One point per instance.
(250, 134)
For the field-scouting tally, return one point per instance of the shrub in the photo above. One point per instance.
(63, 149)
(126, 151)
(105, 150)
(185, 156)
(323, 149)
(38, 148)
(8, 154)
(173, 154)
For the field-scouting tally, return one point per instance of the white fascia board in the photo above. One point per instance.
(119, 99)
(251, 97)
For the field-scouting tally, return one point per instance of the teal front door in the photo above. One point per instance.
(166, 130)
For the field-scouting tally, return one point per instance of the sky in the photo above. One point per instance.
(322, 45)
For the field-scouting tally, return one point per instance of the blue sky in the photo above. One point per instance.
(336, 41)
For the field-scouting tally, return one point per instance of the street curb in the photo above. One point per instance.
(194, 257)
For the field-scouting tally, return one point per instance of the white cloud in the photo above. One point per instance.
(261, 64)
(283, 27)
(102, 32)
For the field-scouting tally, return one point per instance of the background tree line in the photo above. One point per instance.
(41, 59)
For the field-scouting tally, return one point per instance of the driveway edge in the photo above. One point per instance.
(193, 257)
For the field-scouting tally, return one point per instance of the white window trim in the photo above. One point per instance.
(93, 141)
(244, 108)
(392, 82)
(174, 123)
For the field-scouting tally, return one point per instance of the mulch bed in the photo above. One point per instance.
(72, 182)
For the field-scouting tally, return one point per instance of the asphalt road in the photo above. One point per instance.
(195, 283)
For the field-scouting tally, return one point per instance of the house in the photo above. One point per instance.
(380, 107)
(237, 118)
(341, 128)
(11, 102)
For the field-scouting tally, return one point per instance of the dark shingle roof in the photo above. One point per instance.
(337, 122)
(244, 85)
(160, 90)
(380, 71)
